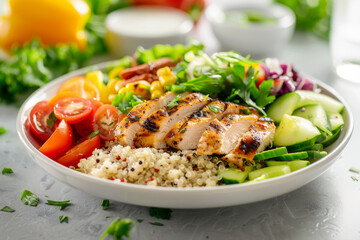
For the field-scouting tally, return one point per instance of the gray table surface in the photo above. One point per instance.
(326, 208)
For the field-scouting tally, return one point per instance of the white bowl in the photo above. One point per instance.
(258, 40)
(145, 26)
(197, 197)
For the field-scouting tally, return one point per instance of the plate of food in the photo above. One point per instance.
(174, 127)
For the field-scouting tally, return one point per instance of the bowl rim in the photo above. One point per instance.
(21, 118)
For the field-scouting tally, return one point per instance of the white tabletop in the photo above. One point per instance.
(326, 208)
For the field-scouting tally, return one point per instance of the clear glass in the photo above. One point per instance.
(345, 39)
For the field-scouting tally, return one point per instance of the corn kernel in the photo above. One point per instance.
(155, 85)
(166, 76)
(157, 93)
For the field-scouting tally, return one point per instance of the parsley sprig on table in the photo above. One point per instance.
(62, 204)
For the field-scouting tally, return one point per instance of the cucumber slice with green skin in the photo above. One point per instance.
(269, 172)
(292, 156)
(316, 155)
(315, 147)
(328, 103)
(234, 175)
(317, 115)
(270, 153)
(285, 104)
(331, 139)
(294, 165)
(336, 121)
(295, 133)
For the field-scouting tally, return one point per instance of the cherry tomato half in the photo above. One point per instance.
(37, 120)
(105, 121)
(82, 150)
(59, 142)
(72, 109)
(85, 127)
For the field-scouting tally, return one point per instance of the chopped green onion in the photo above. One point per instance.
(29, 198)
(62, 204)
(355, 178)
(6, 171)
(354, 170)
(174, 102)
(214, 108)
(7, 209)
(105, 204)
(93, 134)
(64, 218)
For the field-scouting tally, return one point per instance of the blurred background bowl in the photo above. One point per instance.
(262, 30)
(146, 26)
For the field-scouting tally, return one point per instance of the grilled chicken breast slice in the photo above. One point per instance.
(130, 125)
(260, 135)
(186, 133)
(152, 132)
(222, 136)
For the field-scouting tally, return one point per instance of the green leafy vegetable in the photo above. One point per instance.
(105, 204)
(62, 204)
(29, 198)
(7, 209)
(174, 102)
(93, 134)
(2, 130)
(157, 224)
(119, 228)
(126, 101)
(51, 120)
(6, 171)
(161, 213)
(63, 218)
(214, 108)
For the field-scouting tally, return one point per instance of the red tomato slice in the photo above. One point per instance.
(59, 142)
(82, 150)
(105, 121)
(85, 127)
(72, 109)
(38, 117)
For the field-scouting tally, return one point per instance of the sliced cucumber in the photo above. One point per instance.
(285, 104)
(328, 103)
(294, 165)
(295, 133)
(270, 153)
(331, 139)
(317, 115)
(269, 172)
(315, 147)
(234, 175)
(292, 156)
(316, 155)
(336, 121)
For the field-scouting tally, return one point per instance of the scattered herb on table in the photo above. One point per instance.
(105, 204)
(119, 228)
(140, 220)
(7, 209)
(64, 218)
(160, 213)
(62, 204)
(355, 178)
(354, 170)
(6, 171)
(29, 198)
(157, 224)
(93, 134)
(2, 130)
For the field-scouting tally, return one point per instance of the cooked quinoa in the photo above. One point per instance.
(149, 166)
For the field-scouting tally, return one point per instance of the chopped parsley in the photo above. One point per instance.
(140, 220)
(125, 101)
(174, 102)
(93, 134)
(157, 224)
(64, 218)
(6, 171)
(29, 198)
(160, 213)
(105, 204)
(62, 204)
(119, 228)
(2, 130)
(7, 209)
(51, 120)
(183, 131)
(214, 108)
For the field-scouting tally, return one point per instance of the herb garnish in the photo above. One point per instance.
(355, 178)
(183, 131)
(354, 170)
(119, 228)
(93, 134)
(245, 111)
(140, 220)
(104, 123)
(62, 204)
(29, 198)
(51, 120)
(105, 204)
(6, 171)
(161, 213)
(126, 101)
(157, 224)
(214, 108)
(64, 218)
(7, 209)
(2, 130)
(174, 102)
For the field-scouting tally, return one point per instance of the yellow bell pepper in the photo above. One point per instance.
(52, 21)
(97, 78)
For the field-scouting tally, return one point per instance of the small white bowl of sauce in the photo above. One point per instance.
(259, 30)
(146, 26)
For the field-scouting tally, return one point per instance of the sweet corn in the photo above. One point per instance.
(114, 85)
(157, 93)
(166, 76)
(155, 85)
(97, 78)
(140, 88)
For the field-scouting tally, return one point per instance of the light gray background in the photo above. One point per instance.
(326, 208)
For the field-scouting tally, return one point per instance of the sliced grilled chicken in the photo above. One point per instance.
(158, 124)
(260, 135)
(130, 125)
(222, 136)
(186, 133)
